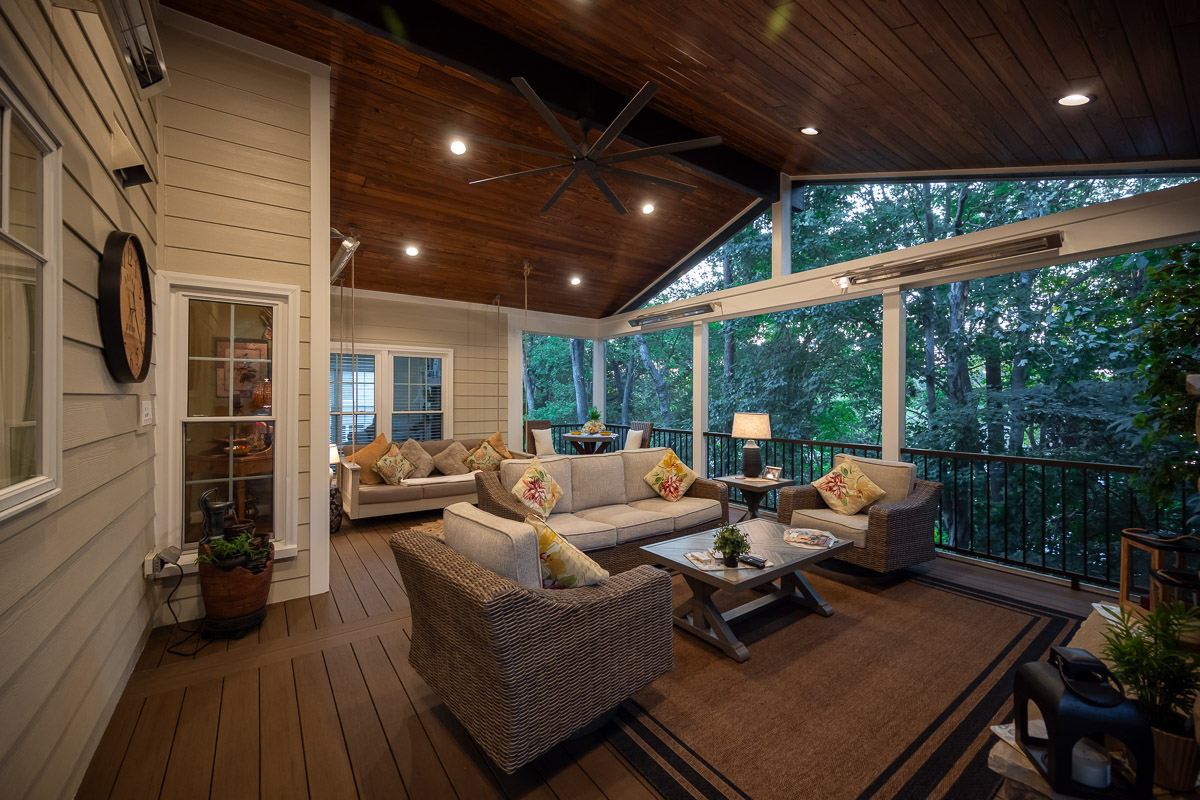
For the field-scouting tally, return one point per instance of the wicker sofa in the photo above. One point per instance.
(891, 534)
(606, 500)
(521, 667)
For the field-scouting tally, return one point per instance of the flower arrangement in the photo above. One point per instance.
(731, 542)
(593, 425)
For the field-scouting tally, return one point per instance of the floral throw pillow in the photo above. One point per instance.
(538, 489)
(846, 489)
(393, 467)
(483, 457)
(564, 566)
(671, 478)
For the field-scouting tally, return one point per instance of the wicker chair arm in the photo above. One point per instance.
(494, 499)
(925, 494)
(891, 524)
(711, 490)
(793, 498)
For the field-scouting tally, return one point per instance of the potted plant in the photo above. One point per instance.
(731, 542)
(235, 579)
(1148, 655)
(593, 425)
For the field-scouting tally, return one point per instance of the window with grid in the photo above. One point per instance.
(417, 398)
(352, 388)
(402, 393)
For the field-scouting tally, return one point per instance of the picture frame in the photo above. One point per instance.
(248, 355)
(772, 473)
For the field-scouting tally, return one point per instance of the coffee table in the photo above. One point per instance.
(700, 617)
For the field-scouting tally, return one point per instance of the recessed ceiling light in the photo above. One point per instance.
(648, 208)
(1075, 100)
(458, 147)
(576, 280)
(411, 251)
(809, 131)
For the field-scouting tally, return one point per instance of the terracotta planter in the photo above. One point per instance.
(236, 593)
(1176, 761)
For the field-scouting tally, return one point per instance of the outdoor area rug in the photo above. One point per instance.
(891, 697)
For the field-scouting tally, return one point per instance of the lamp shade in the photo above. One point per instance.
(334, 456)
(751, 426)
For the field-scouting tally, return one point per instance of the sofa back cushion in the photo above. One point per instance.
(896, 478)
(598, 481)
(559, 468)
(435, 446)
(507, 548)
(637, 464)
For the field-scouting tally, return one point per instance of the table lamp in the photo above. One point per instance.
(751, 427)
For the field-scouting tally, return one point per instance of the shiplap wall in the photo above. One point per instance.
(471, 332)
(74, 608)
(236, 185)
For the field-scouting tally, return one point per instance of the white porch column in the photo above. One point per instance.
(516, 385)
(699, 396)
(598, 377)
(894, 352)
(781, 229)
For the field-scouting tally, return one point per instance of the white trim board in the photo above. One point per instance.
(1114, 169)
(319, 333)
(186, 22)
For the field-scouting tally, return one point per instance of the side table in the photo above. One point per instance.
(754, 489)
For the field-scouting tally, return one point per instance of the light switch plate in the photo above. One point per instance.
(147, 412)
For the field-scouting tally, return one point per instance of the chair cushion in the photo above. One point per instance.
(896, 478)
(586, 534)
(393, 467)
(450, 461)
(631, 523)
(843, 526)
(633, 440)
(597, 481)
(506, 547)
(543, 441)
(637, 464)
(420, 458)
(671, 478)
(564, 566)
(366, 456)
(558, 466)
(687, 512)
(382, 493)
(537, 489)
(846, 489)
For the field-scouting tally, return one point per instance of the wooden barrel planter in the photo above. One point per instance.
(235, 601)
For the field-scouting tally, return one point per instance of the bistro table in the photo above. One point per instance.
(590, 444)
(754, 489)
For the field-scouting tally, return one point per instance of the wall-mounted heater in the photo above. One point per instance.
(655, 317)
(130, 27)
(341, 256)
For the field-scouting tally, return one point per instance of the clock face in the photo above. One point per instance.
(126, 313)
(133, 308)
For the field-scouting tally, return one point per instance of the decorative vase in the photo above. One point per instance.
(730, 561)
(237, 597)
(1176, 761)
(593, 426)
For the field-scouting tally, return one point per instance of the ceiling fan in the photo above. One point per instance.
(589, 159)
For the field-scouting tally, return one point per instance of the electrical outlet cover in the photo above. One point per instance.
(147, 412)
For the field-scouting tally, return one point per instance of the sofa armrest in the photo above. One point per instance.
(495, 499)
(348, 483)
(711, 490)
(793, 498)
(519, 454)
(912, 517)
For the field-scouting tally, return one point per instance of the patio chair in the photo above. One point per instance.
(647, 428)
(531, 426)
(894, 533)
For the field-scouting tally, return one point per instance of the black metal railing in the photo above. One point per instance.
(678, 440)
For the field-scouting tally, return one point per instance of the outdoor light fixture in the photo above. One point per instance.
(1075, 100)
(678, 313)
(809, 131)
(964, 258)
(576, 280)
(648, 208)
(411, 251)
(342, 257)
(458, 147)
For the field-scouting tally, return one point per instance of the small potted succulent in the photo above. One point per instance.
(1150, 657)
(593, 425)
(731, 542)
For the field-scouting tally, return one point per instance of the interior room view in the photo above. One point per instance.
(585, 399)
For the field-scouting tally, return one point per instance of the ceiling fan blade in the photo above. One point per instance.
(626, 116)
(662, 149)
(562, 187)
(602, 185)
(521, 174)
(628, 173)
(484, 140)
(548, 115)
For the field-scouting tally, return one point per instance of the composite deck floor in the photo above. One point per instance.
(321, 701)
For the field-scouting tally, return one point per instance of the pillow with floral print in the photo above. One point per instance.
(538, 489)
(846, 489)
(483, 457)
(671, 478)
(564, 566)
(393, 467)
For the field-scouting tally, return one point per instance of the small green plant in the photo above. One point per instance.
(731, 542)
(593, 413)
(1149, 657)
(222, 551)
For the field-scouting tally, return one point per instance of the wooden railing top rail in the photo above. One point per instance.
(1094, 466)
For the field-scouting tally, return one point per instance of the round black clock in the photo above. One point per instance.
(126, 313)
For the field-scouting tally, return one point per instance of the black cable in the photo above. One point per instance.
(171, 648)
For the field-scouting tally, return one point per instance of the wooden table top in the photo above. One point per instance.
(591, 437)
(766, 540)
(755, 484)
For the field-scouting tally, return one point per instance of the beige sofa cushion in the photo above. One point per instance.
(843, 526)
(382, 493)
(896, 478)
(559, 468)
(421, 460)
(459, 485)
(597, 481)
(687, 512)
(507, 548)
(631, 523)
(450, 461)
(637, 464)
(585, 534)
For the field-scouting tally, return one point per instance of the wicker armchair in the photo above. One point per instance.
(647, 428)
(523, 669)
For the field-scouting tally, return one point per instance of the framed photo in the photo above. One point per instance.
(251, 362)
(773, 473)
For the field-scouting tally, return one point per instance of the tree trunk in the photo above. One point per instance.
(660, 383)
(581, 395)
(930, 354)
(1019, 379)
(627, 387)
(530, 404)
(958, 376)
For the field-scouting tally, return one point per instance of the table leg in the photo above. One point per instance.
(579, 447)
(700, 617)
(803, 593)
(753, 499)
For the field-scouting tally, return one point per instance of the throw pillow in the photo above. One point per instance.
(671, 478)
(483, 457)
(497, 443)
(393, 467)
(543, 442)
(846, 489)
(538, 489)
(633, 440)
(564, 566)
(450, 461)
(421, 460)
(366, 456)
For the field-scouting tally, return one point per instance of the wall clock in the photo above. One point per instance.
(126, 313)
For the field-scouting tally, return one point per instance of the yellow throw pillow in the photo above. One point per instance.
(671, 478)
(538, 489)
(483, 457)
(393, 467)
(564, 566)
(366, 456)
(846, 489)
(497, 443)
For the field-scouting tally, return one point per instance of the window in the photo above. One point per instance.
(30, 291)
(403, 393)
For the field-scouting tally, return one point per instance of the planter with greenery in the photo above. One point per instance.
(235, 579)
(593, 425)
(731, 542)
(1149, 656)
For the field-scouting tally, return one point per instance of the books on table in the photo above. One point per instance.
(810, 538)
(712, 561)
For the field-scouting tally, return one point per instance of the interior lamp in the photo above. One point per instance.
(334, 455)
(751, 427)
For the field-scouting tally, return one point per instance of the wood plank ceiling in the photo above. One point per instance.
(893, 85)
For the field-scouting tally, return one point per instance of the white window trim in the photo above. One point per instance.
(28, 494)
(174, 290)
(383, 354)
